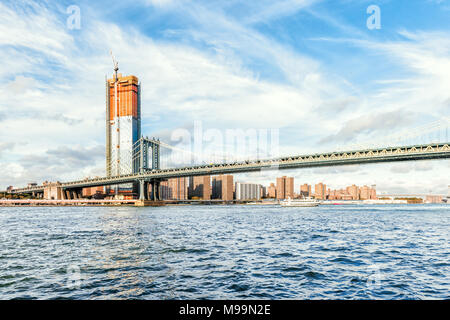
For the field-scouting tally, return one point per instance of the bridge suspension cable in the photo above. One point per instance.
(434, 132)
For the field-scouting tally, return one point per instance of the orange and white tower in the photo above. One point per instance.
(123, 122)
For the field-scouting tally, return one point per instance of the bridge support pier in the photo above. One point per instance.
(144, 200)
(155, 190)
(143, 193)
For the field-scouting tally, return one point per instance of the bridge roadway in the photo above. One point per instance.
(390, 154)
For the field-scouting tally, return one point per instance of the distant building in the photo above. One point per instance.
(353, 191)
(272, 191)
(200, 187)
(164, 192)
(320, 191)
(305, 190)
(373, 192)
(178, 188)
(433, 199)
(263, 192)
(364, 193)
(91, 191)
(248, 191)
(290, 187)
(285, 187)
(222, 187)
(281, 188)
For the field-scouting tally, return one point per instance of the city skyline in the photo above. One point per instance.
(56, 78)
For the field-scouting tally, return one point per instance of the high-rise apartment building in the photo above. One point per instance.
(123, 123)
(353, 191)
(320, 191)
(364, 193)
(305, 190)
(222, 187)
(263, 192)
(281, 188)
(178, 188)
(200, 187)
(285, 187)
(290, 187)
(272, 191)
(247, 191)
(373, 192)
(164, 191)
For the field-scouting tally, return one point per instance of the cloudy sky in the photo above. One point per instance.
(310, 69)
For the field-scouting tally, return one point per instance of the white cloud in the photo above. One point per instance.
(369, 123)
(159, 3)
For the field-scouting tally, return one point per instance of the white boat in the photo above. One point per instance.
(306, 202)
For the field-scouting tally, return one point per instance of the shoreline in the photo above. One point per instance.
(133, 203)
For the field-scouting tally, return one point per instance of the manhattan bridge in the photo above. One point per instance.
(132, 159)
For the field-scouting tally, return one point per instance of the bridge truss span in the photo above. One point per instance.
(390, 154)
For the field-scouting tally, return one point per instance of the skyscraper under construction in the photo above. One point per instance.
(123, 122)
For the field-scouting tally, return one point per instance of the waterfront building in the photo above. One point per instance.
(289, 187)
(123, 126)
(364, 193)
(200, 187)
(433, 199)
(247, 191)
(281, 188)
(272, 191)
(320, 191)
(373, 192)
(91, 191)
(123, 123)
(305, 190)
(285, 187)
(222, 187)
(263, 192)
(333, 195)
(164, 191)
(353, 191)
(178, 188)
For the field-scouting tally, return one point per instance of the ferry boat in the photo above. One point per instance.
(306, 202)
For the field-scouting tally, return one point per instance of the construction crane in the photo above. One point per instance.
(116, 119)
(116, 65)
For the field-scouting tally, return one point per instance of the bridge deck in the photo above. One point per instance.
(391, 154)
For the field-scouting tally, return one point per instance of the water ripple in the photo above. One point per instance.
(225, 252)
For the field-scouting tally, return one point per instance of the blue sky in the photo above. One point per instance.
(310, 69)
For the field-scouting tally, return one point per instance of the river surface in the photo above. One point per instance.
(226, 252)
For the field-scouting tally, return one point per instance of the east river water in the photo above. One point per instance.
(226, 252)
